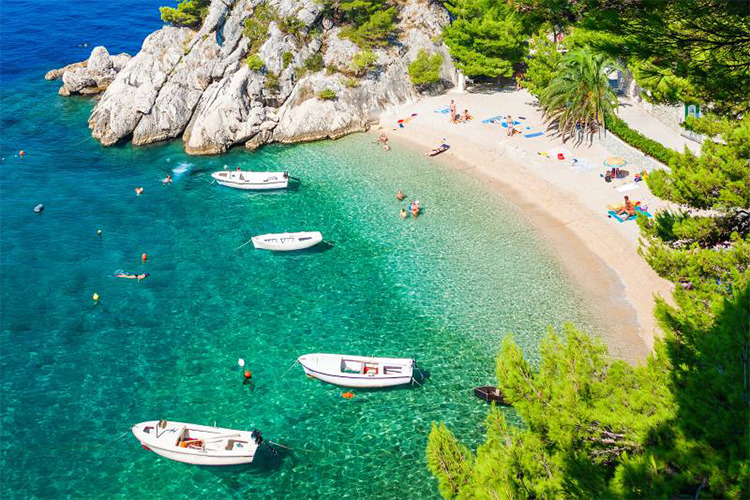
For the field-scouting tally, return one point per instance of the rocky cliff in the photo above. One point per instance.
(197, 84)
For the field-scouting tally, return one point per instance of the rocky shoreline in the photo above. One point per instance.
(197, 84)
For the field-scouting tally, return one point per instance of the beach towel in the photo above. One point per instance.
(493, 119)
(638, 210)
(505, 124)
(443, 110)
(535, 134)
(582, 165)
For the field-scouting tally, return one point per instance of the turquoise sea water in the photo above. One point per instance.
(74, 376)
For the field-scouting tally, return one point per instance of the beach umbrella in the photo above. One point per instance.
(615, 161)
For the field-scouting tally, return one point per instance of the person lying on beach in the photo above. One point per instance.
(628, 209)
(139, 277)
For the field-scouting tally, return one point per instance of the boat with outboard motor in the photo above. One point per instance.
(198, 444)
(284, 242)
(358, 371)
(257, 181)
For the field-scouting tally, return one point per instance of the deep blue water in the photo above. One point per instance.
(75, 376)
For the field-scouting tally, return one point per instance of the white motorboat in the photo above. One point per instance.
(284, 242)
(198, 444)
(240, 179)
(358, 371)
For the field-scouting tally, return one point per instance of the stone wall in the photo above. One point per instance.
(635, 158)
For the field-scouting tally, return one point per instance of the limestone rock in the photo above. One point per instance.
(91, 76)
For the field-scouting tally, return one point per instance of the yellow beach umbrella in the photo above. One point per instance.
(615, 161)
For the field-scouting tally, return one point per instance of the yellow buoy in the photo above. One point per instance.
(95, 296)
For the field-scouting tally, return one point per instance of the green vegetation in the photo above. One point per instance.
(290, 25)
(254, 62)
(579, 92)
(374, 32)
(327, 95)
(541, 66)
(362, 62)
(637, 140)
(272, 82)
(188, 13)
(486, 38)
(314, 63)
(256, 26)
(351, 83)
(287, 58)
(425, 69)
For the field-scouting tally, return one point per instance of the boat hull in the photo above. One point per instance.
(287, 242)
(329, 374)
(251, 181)
(197, 444)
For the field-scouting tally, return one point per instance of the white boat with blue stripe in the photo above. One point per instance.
(358, 371)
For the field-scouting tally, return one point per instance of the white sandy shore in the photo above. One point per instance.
(568, 205)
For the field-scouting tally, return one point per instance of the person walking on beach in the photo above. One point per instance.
(453, 111)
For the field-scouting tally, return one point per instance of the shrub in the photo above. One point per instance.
(327, 95)
(287, 58)
(291, 25)
(362, 62)
(374, 32)
(314, 63)
(351, 83)
(425, 69)
(254, 62)
(187, 13)
(256, 26)
(272, 82)
(331, 70)
(638, 140)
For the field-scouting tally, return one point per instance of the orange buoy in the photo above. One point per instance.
(248, 375)
(347, 395)
(21, 153)
(144, 257)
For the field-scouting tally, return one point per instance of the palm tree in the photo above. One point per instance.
(580, 93)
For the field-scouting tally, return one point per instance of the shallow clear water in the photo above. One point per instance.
(444, 288)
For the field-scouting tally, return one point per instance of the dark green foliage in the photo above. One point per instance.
(287, 58)
(254, 62)
(188, 13)
(579, 92)
(314, 63)
(540, 68)
(291, 25)
(327, 95)
(425, 69)
(638, 140)
(486, 38)
(272, 82)
(449, 460)
(375, 31)
(256, 26)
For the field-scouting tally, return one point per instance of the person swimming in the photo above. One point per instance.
(167, 179)
(403, 213)
(139, 277)
(400, 195)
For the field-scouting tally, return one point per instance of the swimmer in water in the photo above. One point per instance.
(167, 179)
(403, 213)
(138, 277)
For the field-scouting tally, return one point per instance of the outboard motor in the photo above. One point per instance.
(257, 436)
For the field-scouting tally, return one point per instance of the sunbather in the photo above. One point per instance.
(628, 209)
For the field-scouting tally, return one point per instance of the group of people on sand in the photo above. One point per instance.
(459, 117)
(413, 206)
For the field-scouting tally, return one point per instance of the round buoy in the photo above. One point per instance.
(21, 153)
(347, 395)
(99, 232)
(39, 209)
(95, 296)
(144, 257)
(139, 191)
(248, 375)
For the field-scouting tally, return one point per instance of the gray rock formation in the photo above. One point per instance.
(91, 76)
(196, 84)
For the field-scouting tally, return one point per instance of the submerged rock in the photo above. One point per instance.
(197, 84)
(91, 76)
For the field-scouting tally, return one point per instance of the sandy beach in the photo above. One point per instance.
(566, 201)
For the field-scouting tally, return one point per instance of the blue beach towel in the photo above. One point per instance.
(638, 210)
(515, 122)
(535, 134)
(443, 110)
(493, 119)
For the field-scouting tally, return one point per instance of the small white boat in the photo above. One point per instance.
(198, 444)
(284, 242)
(240, 179)
(358, 371)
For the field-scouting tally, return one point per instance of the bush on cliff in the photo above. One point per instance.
(327, 95)
(425, 69)
(254, 62)
(362, 62)
(188, 13)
